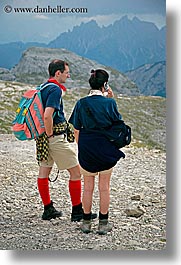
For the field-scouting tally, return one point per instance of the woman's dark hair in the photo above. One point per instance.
(56, 65)
(98, 78)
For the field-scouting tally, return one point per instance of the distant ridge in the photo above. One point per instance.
(150, 78)
(10, 53)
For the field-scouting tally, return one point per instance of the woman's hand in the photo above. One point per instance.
(110, 93)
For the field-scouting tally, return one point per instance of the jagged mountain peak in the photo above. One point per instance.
(91, 23)
(124, 45)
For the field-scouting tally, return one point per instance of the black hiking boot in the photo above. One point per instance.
(50, 212)
(77, 213)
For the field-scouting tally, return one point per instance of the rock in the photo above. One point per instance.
(136, 197)
(137, 212)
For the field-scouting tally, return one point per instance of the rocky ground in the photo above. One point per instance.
(138, 188)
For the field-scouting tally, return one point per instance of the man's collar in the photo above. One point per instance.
(52, 80)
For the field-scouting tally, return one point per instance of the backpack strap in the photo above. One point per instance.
(42, 86)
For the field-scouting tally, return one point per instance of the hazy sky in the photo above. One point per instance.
(40, 26)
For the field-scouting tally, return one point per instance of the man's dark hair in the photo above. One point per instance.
(98, 78)
(56, 65)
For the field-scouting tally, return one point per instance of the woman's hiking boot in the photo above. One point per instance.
(104, 227)
(50, 212)
(85, 227)
(77, 213)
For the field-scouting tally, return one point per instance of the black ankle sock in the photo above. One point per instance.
(103, 216)
(46, 207)
(86, 216)
(77, 207)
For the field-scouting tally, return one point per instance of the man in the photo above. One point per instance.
(59, 150)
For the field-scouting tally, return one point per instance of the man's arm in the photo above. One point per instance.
(48, 120)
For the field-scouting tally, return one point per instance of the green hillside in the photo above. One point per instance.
(145, 115)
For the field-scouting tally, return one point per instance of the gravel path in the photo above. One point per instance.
(138, 185)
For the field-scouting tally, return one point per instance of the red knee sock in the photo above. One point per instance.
(43, 188)
(75, 191)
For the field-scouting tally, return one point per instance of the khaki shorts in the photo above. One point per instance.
(62, 153)
(86, 173)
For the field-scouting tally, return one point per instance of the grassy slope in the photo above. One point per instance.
(145, 115)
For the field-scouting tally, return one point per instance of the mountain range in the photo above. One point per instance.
(33, 69)
(149, 79)
(133, 47)
(124, 45)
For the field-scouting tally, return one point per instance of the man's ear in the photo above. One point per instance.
(58, 73)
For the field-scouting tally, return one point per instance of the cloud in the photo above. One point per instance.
(106, 20)
(103, 19)
(44, 27)
(41, 17)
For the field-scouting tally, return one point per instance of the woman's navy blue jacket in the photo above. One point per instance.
(95, 152)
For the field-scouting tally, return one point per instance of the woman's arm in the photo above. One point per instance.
(76, 133)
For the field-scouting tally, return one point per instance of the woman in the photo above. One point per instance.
(96, 154)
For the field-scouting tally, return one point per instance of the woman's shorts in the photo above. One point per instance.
(86, 173)
(62, 153)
